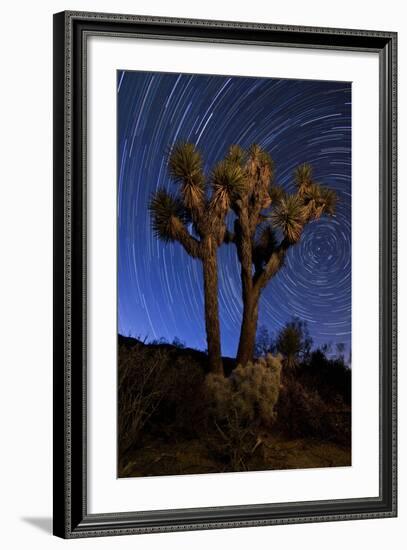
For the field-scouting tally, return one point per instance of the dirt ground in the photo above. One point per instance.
(193, 457)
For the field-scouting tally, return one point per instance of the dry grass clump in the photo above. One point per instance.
(142, 387)
(302, 412)
(158, 392)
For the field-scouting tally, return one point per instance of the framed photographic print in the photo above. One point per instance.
(224, 274)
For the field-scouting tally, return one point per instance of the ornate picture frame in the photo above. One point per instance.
(71, 33)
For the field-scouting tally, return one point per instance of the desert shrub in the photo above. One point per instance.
(177, 343)
(181, 413)
(142, 386)
(238, 405)
(332, 378)
(302, 412)
(160, 393)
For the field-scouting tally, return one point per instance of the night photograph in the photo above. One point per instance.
(233, 274)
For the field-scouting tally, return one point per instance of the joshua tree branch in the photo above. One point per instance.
(243, 241)
(272, 266)
(229, 237)
(255, 215)
(180, 232)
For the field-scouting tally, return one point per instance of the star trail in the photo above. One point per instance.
(159, 286)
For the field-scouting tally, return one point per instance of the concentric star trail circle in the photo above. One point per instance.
(159, 286)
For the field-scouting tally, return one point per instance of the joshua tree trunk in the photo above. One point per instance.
(210, 274)
(252, 287)
(250, 296)
(248, 329)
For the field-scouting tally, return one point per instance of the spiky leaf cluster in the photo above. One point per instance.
(228, 184)
(276, 193)
(259, 155)
(237, 154)
(185, 164)
(310, 202)
(289, 215)
(318, 200)
(303, 177)
(329, 199)
(167, 213)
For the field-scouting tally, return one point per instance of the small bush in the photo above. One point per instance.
(160, 393)
(240, 404)
(302, 412)
(330, 377)
(141, 388)
(181, 413)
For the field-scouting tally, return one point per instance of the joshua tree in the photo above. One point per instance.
(202, 205)
(268, 222)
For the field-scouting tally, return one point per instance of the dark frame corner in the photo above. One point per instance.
(71, 519)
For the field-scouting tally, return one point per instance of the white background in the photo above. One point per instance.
(26, 273)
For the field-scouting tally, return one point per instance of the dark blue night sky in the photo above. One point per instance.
(159, 287)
